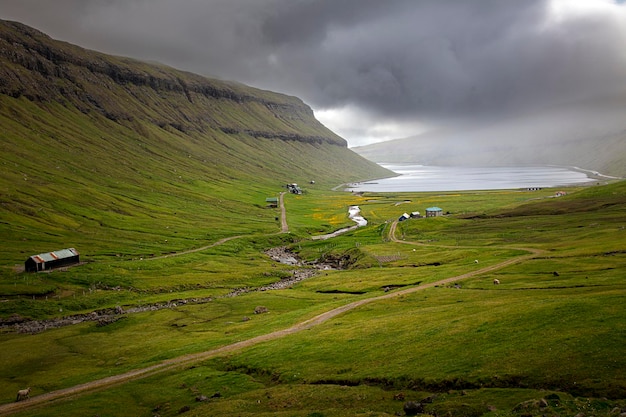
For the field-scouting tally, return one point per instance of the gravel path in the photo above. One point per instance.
(284, 227)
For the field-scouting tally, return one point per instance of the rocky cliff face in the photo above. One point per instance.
(34, 66)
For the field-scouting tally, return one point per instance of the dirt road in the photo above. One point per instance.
(169, 255)
(186, 360)
(284, 227)
(532, 251)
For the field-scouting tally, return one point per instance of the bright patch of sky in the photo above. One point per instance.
(360, 126)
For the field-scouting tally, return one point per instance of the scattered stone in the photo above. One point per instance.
(399, 396)
(429, 399)
(202, 398)
(413, 408)
(261, 310)
(101, 317)
(184, 409)
(105, 321)
(12, 320)
(283, 255)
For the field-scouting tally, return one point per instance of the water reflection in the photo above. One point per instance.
(435, 178)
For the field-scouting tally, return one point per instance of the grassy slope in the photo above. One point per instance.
(117, 157)
(477, 348)
(555, 322)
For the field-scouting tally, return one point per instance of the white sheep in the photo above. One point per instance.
(23, 394)
(496, 281)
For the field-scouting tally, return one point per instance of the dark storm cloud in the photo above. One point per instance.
(393, 60)
(447, 57)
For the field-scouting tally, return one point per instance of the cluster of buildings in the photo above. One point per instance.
(294, 189)
(430, 212)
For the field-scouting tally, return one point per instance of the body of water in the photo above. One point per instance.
(435, 178)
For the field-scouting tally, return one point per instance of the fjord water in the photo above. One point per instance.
(414, 178)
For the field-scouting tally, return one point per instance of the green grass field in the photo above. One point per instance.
(554, 328)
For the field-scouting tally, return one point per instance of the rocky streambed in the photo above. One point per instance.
(103, 317)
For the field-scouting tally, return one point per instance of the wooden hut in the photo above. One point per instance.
(49, 260)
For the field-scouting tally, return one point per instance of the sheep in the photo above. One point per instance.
(475, 261)
(23, 394)
(496, 281)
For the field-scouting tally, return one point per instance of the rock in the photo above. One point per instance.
(543, 403)
(261, 310)
(413, 408)
(429, 399)
(202, 398)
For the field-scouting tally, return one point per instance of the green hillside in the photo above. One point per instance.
(92, 142)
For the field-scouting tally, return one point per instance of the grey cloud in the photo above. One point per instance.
(398, 59)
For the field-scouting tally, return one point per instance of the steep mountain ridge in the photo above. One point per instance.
(43, 70)
(102, 152)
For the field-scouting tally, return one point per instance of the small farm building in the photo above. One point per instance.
(434, 212)
(45, 261)
(404, 217)
(272, 201)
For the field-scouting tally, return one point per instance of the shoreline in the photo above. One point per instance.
(590, 173)
(433, 178)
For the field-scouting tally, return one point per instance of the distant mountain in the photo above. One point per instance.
(590, 134)
(86, 137)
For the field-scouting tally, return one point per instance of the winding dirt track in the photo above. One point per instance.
(169, 255)
(284, 227)
(181, 361)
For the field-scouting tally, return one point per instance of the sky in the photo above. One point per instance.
(372, 70)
